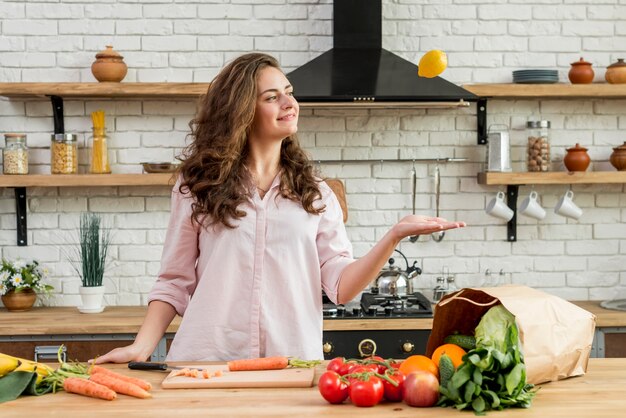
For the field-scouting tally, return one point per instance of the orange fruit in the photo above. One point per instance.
(419, 363)
(453, 351)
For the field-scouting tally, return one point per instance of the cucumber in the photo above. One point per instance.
(446, 370)
(467, 342)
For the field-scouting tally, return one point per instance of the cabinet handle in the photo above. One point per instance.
(367, 348)
(408, 346)
(328, 348)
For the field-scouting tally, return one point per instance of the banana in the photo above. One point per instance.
(24, 365)
(7, 365)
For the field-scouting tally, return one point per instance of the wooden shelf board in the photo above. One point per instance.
(558, 90)
(68, 90)
(86, 180)
(562, 177)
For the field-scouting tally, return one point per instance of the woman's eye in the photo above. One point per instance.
(290, 93)
(271, 98)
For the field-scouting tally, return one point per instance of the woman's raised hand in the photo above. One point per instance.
(423, 225)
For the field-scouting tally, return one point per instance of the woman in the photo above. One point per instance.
(253, 236)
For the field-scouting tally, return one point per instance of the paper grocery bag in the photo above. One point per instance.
(555, 335)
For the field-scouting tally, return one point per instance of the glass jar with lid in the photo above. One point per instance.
(99, 152)
(64, 154)
(538, 149)
(15, 154)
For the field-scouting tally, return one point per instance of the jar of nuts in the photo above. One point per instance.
(15, 154)
(538, 150)
(64, 154)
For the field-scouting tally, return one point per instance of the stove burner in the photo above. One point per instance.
(380, 306)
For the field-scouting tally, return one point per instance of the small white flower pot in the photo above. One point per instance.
(93, 298)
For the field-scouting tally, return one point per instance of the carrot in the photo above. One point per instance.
(120, 386)
(87, 388)
(268, 363)
(206, 374)
(139, 382)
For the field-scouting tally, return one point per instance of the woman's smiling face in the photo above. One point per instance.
(276, 114)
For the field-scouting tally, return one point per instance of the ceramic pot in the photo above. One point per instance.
(577, 159)
(109, 66)
(616, 72)
(92, 298)
(581, 72)
(618, 158)
(19, 301)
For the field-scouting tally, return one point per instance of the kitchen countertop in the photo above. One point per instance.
(599, 393)
(128, 319)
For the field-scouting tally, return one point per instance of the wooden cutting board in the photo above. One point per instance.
(285, 378)
(340, 191)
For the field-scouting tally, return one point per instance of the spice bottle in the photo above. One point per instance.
(538, 150)
(15, 154)
(64, 154)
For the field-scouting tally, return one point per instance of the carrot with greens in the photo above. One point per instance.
(139, 382)
(119, 386)
(85, 387)
(269, 363)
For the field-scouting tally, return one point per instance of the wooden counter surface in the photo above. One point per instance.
(128, 319)
(599, 393)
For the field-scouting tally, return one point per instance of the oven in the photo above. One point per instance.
(364, 334)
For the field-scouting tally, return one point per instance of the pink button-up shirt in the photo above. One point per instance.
(255, 290)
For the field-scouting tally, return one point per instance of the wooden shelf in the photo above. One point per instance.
(86, 180)
(561, 177)
(556, 91)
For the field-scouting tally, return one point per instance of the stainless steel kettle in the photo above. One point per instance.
(392, 281)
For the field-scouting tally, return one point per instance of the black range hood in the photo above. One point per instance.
(357, 69)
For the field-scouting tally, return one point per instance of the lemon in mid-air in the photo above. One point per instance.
(432, 64)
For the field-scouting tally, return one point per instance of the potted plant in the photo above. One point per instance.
(90, 261)
(21, 282)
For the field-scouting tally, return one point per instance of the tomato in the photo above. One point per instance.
(332, 388)
(394, 393)
(367, 391)
(336, 364)
(361, 368)
(395, 364)
(378, 362)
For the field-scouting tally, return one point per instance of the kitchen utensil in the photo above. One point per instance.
(392, 281)
(145, 365)
(531, 207)
(498, 149)
(109, 66)
(616, 72)
(618, 157)
(413, 238)
(497, 207)
(284, 378)
(437, 236)
(340, 191)
(566, 206)
(617, 304)
(535, 76)
(576, 158)
(159, 167)
(581, 72)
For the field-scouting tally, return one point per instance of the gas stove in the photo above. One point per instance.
(380, 306)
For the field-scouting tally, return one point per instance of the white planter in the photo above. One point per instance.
(92, 298)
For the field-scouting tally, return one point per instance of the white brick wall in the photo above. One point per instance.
(182, 40)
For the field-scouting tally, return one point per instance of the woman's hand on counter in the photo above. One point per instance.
(122, 355)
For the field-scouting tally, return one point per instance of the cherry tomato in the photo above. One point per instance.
(378, 362)
(394, 364)
(393, 393)
(367, 391)
(336, 364)
(332, 388)
(345, 367)
(360, 368)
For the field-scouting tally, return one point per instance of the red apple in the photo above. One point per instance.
(420, 389)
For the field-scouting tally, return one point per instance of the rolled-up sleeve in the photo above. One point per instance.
(177, 277)
(334, 248)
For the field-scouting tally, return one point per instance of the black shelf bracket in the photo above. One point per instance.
(57, 114)
(20, 214)
(481, 120)
(511, 201)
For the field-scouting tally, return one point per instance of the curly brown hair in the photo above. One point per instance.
(213, 164)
